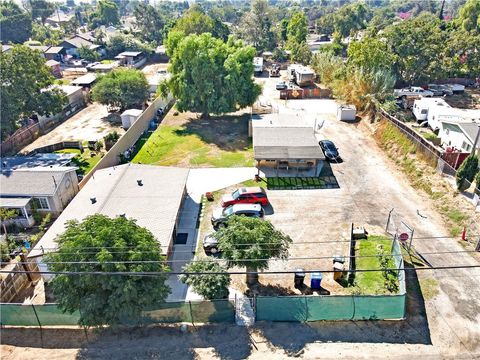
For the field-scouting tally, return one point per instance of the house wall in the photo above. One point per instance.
(450, 136)
(66, 191)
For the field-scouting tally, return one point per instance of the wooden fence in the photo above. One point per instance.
(58, 146)
(20, 138)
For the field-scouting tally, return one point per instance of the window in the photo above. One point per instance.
(447, 131)
(41, 203)
(466, 146)
(424, 111)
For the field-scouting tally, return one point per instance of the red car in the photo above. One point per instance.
(246, 195)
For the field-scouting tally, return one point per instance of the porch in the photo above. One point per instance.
(23, 209)
(289, 168)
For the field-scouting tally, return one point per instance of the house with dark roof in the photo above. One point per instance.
(41, 189)
(55, 53)
(285, 145)
(72, 45)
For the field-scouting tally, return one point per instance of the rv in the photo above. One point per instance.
(422, 106)
(258, 65)
(301, 75)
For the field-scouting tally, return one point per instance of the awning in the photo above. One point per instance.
(14, 202)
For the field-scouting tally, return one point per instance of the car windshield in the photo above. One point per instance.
(228, 211)
(236, 194)
(329, 146)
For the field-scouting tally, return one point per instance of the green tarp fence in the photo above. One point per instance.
(50, 314)
(314, 308)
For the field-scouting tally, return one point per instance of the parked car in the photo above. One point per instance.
(329, 150)
(456, 88)
(275, 70)
(412, 91)
(440, 90)
(246, 195)
(282, 85)
(92, 64)
(210, 244)
(220, 216)
(323, 38)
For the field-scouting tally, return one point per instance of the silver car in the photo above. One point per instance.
(220, 216)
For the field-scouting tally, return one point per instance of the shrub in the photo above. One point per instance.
(466, 173)
(209, 286)
(477, 184)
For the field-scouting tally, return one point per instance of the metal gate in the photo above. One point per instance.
(398, 227)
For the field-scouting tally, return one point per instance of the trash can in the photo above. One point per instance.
(316, 280)
(338, 268)
(299, 278)
(339, 259)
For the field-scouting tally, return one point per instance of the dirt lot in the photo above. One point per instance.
(91, 123)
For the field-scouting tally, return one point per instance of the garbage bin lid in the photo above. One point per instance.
(300, 272)
(317, 275)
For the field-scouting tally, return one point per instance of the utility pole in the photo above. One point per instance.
(474, 150)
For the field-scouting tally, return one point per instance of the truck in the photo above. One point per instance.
(412, 91)
(258, 65)
(301, 75)
(275, 70)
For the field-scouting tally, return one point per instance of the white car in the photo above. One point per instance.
(456, 88)
(412, 91)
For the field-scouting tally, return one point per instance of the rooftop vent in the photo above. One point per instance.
(139, 182)
(122, 215)
(93, 200)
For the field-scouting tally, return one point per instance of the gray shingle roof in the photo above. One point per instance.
(276, 143)
(31, 182)
(469, 129)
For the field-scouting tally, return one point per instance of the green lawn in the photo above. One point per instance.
(372, 282)
(174, 145)
(84, 161)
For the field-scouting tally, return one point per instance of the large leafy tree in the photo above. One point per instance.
(210, 286)
(351, 18)
(255, 27)
(210, 76)
(149, 22)
(41, 9)
(371, 53)
(297, 28)
(120, 43)
(15, 24)
(88, 54)
(121, 88)
(107, 13)
(250, 242)
(26, 87)
(101, 244)
(469, 16)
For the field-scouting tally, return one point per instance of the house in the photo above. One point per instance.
(56, 53)
(153, 195)
(75, 101)
(85, 81)
(285, 145)
(438, 114)
(59, 18)
(132, 58)
(72, 45)
(459, 136)
(42, 189)
(54, 68)
(129, 116)
(44, 160)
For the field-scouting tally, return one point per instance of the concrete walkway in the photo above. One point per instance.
(199, 182)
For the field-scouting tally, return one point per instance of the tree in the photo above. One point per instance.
(210, 76)
(370, 53)
(466, 172)
(26, 87)
(297, 29)
(469, 16)
(255, 27)
(120, 43)
(209, 286)
(41, 9)
(351, 18)
(5, 215)
(15, 24)
(149, 22)
(121, 88)
(102, 244)
(105, 14)
(88, 54)
(300, 52)
(250, 242)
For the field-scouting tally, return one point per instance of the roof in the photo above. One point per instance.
(68, 89)
(14, 202)
(283, 143)
(52, 63)
(130, 53)
(132, 112)
(78, 42)
(41, 48)
(155, 204)
(32, 181)
(85, 79)
(280, 120)
(470, 130)
(53, 50)
(6, 47)
(37, 160)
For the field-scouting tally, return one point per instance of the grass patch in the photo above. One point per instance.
(84, 161)
(107, 61)
(172, 145)
(372, 282)
(292, 183)
(429, 288)
(456, 216)
(430, 136)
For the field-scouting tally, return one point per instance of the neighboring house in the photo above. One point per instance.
(75, 101)
(132, 58)
(54, 68)
(40, 48)
(72, 45)
(438, 114)
(46, 190)
(44, 160)
(59, 18)
(85, 81)
(459, 136)
(153, 195)
(55, 53)
(285, 145)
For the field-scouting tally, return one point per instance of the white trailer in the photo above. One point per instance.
(258, 65)
(438, 114)
(422, 106)
(301, 75)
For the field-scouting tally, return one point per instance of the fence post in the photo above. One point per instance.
(388, 220)
(39, 324)
(191, 313)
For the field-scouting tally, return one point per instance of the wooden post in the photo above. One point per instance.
(25, 267)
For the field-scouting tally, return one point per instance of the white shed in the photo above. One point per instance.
(346, 112)
(129, 117)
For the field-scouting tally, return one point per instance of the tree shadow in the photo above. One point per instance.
(228, 132)
(268, 290)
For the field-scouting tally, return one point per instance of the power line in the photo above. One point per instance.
(226, 260)
(157, 273)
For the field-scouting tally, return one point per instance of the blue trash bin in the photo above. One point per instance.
(316, 280)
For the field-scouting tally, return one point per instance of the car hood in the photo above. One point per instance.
(227, 198)
(210, 240)
(217, 214)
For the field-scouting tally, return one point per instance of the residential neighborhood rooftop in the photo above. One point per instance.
(47, 160)
(85, 79)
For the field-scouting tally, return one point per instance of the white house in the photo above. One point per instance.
(459, 135)
(438, 114)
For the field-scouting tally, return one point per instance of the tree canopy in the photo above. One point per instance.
(149, 22)
(107, 13)
(297, 30)
(469, 16)
(26, 87)
(111, 244)
(208, 286)
(121, 88)
(250, 242)
(15, 24)
(41, 9)
(210, 76)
